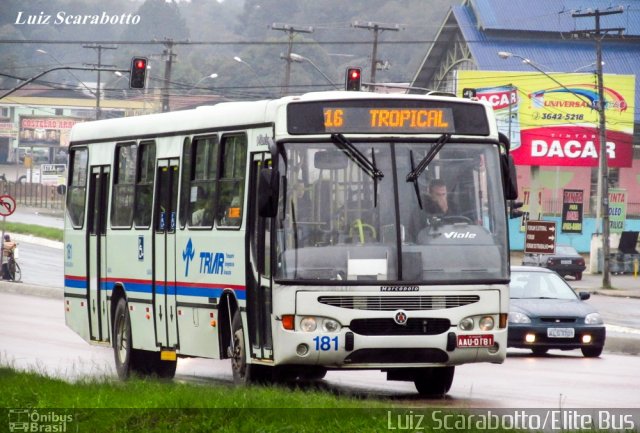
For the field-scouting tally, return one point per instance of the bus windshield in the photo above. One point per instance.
(440, 223)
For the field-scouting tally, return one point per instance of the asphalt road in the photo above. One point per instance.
(33, 336)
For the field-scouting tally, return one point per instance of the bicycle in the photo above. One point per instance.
(13, 268)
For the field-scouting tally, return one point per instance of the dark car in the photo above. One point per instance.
(545, 313)
(565, 261)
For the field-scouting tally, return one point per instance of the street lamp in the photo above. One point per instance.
(506, 55)
(602, 207)
(300, 59)
(41, 51)
(587, 66)
(212, 76)
(239, 60)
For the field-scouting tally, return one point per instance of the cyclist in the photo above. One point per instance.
(8, 247)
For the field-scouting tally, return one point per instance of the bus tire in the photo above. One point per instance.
(434, 381)
(243, 372)
(122, 345)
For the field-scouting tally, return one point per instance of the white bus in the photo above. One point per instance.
(292, 237)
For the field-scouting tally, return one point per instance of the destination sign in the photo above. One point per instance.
(437, 120)
(384, 115)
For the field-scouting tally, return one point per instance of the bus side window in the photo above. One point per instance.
(202, 185)
(231, 181)
(77, 192)
(144, 184)
(124, 185)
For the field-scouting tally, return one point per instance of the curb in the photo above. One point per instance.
(30, 239)
(31, 290)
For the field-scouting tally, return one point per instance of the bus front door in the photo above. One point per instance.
(259, 293)
(164, 251)
(96, 252)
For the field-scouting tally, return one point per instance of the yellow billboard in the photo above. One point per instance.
(553, 119)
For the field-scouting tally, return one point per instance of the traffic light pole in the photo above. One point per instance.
(73, 68)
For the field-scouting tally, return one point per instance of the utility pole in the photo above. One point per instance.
(168, 61)
(292, 30)
(603, 179)
(99, 65)
(376, 27)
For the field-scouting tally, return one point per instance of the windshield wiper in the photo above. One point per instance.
(369, 167)
(358, 157)
(416, 171)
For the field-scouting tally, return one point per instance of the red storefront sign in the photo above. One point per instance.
(572, 146)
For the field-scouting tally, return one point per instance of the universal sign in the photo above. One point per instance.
(552, 125)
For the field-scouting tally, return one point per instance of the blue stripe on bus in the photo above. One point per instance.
(146, 287)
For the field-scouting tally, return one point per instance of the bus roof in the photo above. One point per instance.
(215, 116)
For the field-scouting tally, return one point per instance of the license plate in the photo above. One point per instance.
(475, 340)
(561, 332)
(565, 262)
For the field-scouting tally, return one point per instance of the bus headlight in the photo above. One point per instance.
(308, 324)
(330, 325)
(486, 323)
(466, 324)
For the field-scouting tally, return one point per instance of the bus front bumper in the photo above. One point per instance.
(347, 350)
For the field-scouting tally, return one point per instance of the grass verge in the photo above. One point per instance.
(157, 406)
(34, 230)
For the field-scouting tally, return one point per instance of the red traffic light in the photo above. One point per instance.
(353, 79)
(138, 73)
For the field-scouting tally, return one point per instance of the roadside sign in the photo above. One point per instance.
(540, 237)
(7, 205)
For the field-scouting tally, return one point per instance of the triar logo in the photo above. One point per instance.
(187, 255)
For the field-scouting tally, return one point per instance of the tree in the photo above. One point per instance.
(159, 20)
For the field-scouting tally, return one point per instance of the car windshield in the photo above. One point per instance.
(539, 285)
(359, 211)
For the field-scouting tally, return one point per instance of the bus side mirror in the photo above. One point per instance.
(62, 189)
(510, 178)
(509, 175)
(267, 193)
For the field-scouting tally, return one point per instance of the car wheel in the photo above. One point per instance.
(539, 351)
(578, 276)
(592, 351)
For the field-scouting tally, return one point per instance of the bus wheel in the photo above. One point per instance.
(434, 381)
(243, 372)
(122, 349)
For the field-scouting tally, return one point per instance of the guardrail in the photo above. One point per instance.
(34, 194)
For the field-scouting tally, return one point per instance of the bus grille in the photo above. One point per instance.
(392, 303)
(414, 326)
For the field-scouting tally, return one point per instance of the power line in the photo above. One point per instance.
(599, 34)
(99, 48)
(291, 30)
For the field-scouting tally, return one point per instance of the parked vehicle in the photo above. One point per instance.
(545, 313)
(565, 261)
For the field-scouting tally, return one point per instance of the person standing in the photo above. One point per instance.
(8, 247)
